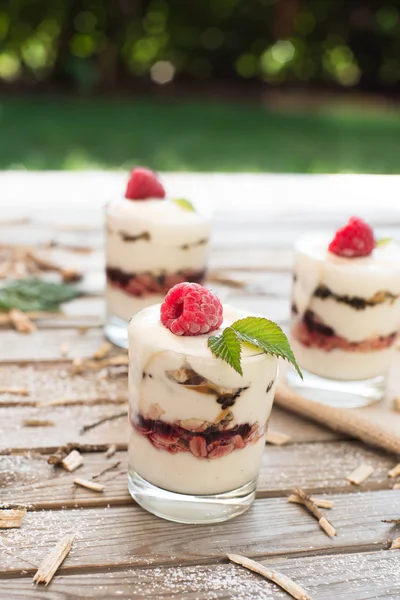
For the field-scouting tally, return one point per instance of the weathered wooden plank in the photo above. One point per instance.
(69, 420)
(127, 536)
(319, 468)
(46, 344)
(359, 576)
(43, 383)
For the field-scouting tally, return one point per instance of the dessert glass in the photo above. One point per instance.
(197, 427)
(151, 245)
(345, 322)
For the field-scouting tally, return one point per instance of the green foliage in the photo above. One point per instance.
(35, 295)
(258, 332)
(91, 43)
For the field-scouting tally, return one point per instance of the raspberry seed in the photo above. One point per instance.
(191, 309)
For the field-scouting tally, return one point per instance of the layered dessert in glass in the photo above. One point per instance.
(345, 314)
(197, 423)
(152, 243)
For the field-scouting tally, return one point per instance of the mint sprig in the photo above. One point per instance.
(382, 242)
(185, 204)
(257, 332)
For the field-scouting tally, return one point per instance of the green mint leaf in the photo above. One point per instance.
(36, 295)
(267, 336)
(382, 242)
(185, 204)
(227, 346)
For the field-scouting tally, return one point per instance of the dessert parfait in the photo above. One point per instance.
(152, 243)
(345, 314)
(201, 385)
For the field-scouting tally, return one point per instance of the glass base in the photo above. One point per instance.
(184, 508)
(116, 331)
(341, 394)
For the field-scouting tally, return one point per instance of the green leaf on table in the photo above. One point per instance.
(257, 332)
(185, 204)
(227, 346)
(30, 295)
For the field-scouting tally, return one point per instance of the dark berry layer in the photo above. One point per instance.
(143, 284)
(356, 302)
(209, 443)
(313, 333)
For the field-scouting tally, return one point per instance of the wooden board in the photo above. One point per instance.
(358, 576)
(129, 536)
(33, 482)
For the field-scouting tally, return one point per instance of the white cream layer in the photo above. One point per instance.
(156, 351)
(342, 365)
(185, 474)
(123, 305)
(170, 228)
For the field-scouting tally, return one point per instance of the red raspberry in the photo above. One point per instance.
(143, 184)
(356, 238)
(191, 309)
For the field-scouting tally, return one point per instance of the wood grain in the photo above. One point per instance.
(324, 578)
(128, 536)
(31, 481)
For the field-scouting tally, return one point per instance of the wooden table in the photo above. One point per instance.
(121, 551)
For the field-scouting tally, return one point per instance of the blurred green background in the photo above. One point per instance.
(209, 85)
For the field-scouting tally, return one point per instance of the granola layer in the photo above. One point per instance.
(144, 284)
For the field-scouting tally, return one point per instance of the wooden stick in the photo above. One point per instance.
(283, 581)
(110, 468)
(37, 423)
(277, 438)
(337, 419)
(111, 450)
(90, 485)
(360, 474)
(102, 351)
(12, 518)
(395, 472)
(5, 318)
(314, 510)
(395, 544)
(72, 461)
(80, 401)
(53, 560)
(320, 502)
(21, 322)
(80, 365)
(395, 521)
(14, 391)
(86, 428)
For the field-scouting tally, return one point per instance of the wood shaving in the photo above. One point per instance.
(37, 423)
(283, 581)
(81, 365)
(396, 404)
(90, 485)
(15, 391)
(73, 461)
(53, 560)
(64, 349)
(224, 280)
(12, 518)
(107, 469)
(102, 351)
(80, 401)
(360, 474)
(320, 502)
(314, 510)
(70, 275)
(395, 472)
(277, 438)
(396, 486)
(43, 264)
(103, 420)
(111, 450)
(21, 322)
(395, 544)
